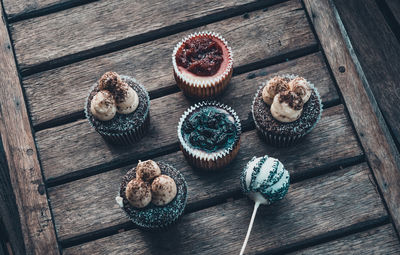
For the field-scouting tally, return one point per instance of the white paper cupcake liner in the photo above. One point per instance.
(284, 140)
(206, 160)
(203, 89)
(130, 136)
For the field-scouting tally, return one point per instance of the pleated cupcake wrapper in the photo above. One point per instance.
(284, 140)
(205, 160)
(130, 136)
(166, 225)
(203, 89)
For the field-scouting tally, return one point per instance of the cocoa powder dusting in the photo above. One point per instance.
(292, 99)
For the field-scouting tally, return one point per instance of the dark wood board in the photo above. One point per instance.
(394, 6)
(368, 121)
(311, 208)
(21, 9)
(60, 92)
(81, 143)
(99, 26)
(10, 226)
(332, 142)
(380, 240)
(22, 159)
(378, 51)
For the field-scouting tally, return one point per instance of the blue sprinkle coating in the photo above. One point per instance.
(152, 216)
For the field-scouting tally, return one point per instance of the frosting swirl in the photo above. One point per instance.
(300, 86)
(274, 86)
(287, 106)
(163, 190)
(129, 102)
(138, 193)
(103, 106)
(265, 180)
(109, 80)
(147, 170)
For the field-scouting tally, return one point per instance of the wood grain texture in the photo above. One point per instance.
(16, 9)
(23, 165)
(10, 226)
(372, 131)
(312, 207)
(378, 51)
(62, 91)
(333, 140)
(83, 145)
(394, 6)
(379, 240)
(83, 30)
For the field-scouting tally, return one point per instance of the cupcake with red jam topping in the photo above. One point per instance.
(285, 109)
(209, 135)
(202, 64)
(153, 195)
(118, 108)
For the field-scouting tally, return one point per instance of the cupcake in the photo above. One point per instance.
(264, 180)
(209, 135)
(285, 109)
(118, 108)
(153, 195)
(202, 64)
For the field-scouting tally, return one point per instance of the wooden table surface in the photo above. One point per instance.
(345, 191)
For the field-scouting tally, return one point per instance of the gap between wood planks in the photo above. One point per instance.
(237, 194)
(389, 17)
(148, 36)
(47, 10)
(247, 125)
(173, 89)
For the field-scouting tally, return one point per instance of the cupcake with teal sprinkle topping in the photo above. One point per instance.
(153, 195)
(209, 135)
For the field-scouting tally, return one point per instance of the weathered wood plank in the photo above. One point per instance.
(61, 92)
(379, 240)
(373, 133)
(16, 9)
(394, 6)
(83, 145)
(74, 214)
(102, 25)
(378, 51)
(23, 165)
(311, 208)
(9, 220)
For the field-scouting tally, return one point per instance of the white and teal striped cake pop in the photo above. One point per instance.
(265, 180)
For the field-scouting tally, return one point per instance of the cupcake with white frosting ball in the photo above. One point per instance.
(285, 109)
(153, 195)
(118, 108)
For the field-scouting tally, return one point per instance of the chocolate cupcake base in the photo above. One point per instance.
(280, 134)
(152, 217)
(129, 137)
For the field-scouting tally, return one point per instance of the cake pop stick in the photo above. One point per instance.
(253, 216)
